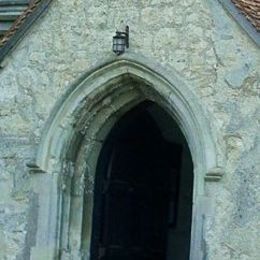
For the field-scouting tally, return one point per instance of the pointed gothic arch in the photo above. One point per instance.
(67, 154)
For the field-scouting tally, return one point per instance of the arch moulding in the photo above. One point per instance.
(73, 135)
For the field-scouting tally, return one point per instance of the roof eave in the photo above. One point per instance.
(25, 26)
(242, 20)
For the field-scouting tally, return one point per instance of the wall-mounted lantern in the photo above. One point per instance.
(121, 41)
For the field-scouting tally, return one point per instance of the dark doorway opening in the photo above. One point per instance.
(143, 190)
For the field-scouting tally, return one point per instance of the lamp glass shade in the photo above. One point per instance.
(119, 43)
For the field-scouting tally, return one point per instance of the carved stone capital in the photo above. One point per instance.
(214, 174)
(34, 168)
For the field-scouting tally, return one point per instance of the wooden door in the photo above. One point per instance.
(135, 200)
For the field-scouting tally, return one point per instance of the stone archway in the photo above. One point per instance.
(68, 152)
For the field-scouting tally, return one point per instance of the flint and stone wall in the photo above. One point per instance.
(196, 38)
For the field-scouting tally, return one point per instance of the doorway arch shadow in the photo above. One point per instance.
(72, 139)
